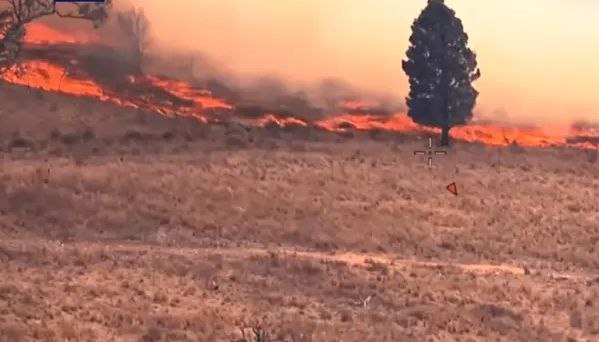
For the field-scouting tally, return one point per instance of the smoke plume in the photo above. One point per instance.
(307, 59)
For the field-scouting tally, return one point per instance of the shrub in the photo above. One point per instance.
(70, 139)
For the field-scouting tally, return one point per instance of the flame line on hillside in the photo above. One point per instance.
(200, 103)
(172, 97)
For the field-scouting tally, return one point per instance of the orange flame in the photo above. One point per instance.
(398, 122)
(50, 77)
(271, 119)
(201, 98)
(38, 33)
(201, 103)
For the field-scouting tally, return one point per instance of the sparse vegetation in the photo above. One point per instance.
(70, 139)
(318, 241)
(19, 142)
(136, 136)
(592, 155)
(257, 334)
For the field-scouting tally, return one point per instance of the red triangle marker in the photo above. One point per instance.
(453, 188)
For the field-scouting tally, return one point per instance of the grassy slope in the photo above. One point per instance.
(99, 173)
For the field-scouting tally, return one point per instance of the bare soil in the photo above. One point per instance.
(118, 225)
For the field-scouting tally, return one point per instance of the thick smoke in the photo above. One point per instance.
(108, 62)
(320, 54)
(266, 91)
(256, 96)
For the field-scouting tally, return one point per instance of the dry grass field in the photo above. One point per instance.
(117, 225)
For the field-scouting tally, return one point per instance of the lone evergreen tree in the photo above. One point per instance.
(441, 69)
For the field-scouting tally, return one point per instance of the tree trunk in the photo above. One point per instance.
(445, 136)
(136, 61)
(445, 84)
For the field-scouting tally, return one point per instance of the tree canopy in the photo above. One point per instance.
(441, 69)
(136, 28)
(16, 14)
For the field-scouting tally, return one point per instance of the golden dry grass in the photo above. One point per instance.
(143, 228)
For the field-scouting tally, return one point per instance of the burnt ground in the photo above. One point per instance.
(121, 225)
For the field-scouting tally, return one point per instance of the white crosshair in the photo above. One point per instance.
(430, 152)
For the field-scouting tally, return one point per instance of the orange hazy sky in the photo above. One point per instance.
(539, 58)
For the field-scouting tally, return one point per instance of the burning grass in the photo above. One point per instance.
(171, 97)
(73, 65)
(188, 236)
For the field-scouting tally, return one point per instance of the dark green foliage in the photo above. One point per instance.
(441, 69)
(16, 14)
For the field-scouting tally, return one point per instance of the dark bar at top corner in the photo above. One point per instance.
(96, 1)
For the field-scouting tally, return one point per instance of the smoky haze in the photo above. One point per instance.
(269, 58)
(262, 81)
(528, 74)
(362, 42)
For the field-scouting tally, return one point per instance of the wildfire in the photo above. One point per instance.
(497, 135)
(175, 97)
(271, 119)
(43, 34)
(490, 134)
(397, 122)
(200, 97)
(50, 77)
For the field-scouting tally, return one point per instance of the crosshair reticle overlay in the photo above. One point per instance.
(430, 152)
